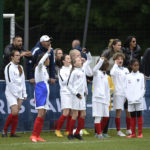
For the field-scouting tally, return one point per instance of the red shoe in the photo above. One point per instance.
(140, 136)
(40, 139)
(131, 136)
(33, 138)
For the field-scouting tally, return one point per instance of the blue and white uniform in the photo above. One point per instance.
(134, 91)
(101, 92)
(65, 94)
(42, 86)
(15, 84)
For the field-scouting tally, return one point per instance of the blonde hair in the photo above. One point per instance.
(72, 53)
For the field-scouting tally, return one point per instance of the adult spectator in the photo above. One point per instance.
(41, 47)
(16, 45)
(76, 45)
(131, 50)
(114, 46)
(146, 63)
(58, 54)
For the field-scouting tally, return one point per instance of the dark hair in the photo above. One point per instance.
(62, 59)
(38, 59)
(12, 54)
(118, 54)
(17, 36)
(105, 64)
(133, 61)
(128, 40)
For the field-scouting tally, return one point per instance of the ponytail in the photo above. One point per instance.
(20, 70)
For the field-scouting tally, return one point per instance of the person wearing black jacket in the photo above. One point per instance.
(16, 45)
(131, 50)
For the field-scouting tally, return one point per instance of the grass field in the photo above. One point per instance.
(89, 142)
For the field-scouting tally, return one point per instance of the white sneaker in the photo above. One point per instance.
(119, 133)
(128, 132)
(100, 136)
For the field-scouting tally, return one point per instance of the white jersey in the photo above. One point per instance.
(135, 87)
(15, 84)
(63, 79)
(118, 75)
(41, 73)
(101, 91)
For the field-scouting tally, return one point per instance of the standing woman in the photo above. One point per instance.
(41, 94)
(15, 91)
(131, 50)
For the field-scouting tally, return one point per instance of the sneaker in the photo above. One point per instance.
(70, 137)
(96, 135)
(40, 139)
(131, 136)
(14, 135)
(58, 133)
(128, 132)
(140, 136)
(33, 138)
(119, 133)
(100, 136)
(106, 135)
(4, 134)
(78, 136)
(85, 132)
(66, 133)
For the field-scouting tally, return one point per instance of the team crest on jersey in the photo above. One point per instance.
(129, 81)
(78, 76)
(138, 80)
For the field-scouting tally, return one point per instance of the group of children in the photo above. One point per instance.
(73, 91)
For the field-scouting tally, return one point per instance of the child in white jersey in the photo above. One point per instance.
(65, 94)
(101, 96)
(119, 73)
(41, 94)
(135, 90)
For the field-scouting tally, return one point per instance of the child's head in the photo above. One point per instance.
(65, 59)
(105, 65)
(119, 58)
(74, 53)
(134, 64)
(77, 62)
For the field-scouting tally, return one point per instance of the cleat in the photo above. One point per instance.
(128, 132)
(105, 135)
(70, 137)
(40, 139)
(119, 133)
(96, 135)
(140, 136)
(66, 133)
(85, 132)
(33, 139)
(100, 136)
(131, 136)
(78, 136)
(58, 133)
(4, 134)
(14, 135)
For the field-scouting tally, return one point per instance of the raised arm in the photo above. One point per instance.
(98, 65)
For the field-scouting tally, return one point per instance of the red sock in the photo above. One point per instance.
(68, 122)
(128, 119)
(98, 128)
(72, 124)
(14, 124)
(80, 125)
(8, 122)
(117, 120)
(61, 122)
(104, 122)
(140, 125)
(37, 126)
(133, 125)
(40, 126)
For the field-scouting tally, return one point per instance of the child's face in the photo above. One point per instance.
(67, 60)
(78, 62)
(135, 67)
(119, 61)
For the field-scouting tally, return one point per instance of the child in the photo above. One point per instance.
(78, 86)
(119, 73)
(101, 96)
(135, 90)
(65, 94)
(41, 94)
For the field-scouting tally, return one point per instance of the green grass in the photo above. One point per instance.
(89, 142)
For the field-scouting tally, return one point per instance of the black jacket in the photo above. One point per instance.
(137, 53)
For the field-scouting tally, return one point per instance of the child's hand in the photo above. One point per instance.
(79, 96)
(102, 58)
